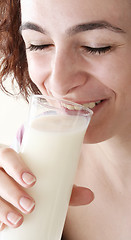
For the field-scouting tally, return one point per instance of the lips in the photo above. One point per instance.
(90, 105)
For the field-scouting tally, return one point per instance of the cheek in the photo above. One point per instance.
(118, 79)
(115, 73)
(39, 68)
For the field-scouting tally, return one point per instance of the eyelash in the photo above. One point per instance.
(38, 47)
(97, 51)
(90, 50)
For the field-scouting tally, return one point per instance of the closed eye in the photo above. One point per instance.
(88, 49)
(39, 47)
(97, 51)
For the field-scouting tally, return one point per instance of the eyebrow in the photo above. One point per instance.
(75, 29)
(93, 26)
(32, 26)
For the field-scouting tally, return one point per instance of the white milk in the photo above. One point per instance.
(53, 157)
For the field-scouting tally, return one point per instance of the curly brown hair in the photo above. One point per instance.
(12, 49)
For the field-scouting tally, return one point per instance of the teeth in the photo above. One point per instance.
(98, 102)
(89, 105)
(70, 107)
(77, 108)
(85, 105)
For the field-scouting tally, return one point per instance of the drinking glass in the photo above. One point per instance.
(51, 148)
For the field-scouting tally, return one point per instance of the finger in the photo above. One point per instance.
(9, 216)
(14, 194)
(14, 165)
(81, 196)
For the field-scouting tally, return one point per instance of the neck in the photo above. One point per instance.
(113, 155)
(117, 149)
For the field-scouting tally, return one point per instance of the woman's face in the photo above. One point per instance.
(81, 51)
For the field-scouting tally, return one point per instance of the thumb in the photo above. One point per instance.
(81, 196)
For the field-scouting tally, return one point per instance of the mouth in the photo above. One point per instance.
(90, 105)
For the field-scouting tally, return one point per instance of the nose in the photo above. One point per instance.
(66, 74)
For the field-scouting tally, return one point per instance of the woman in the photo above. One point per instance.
(79, 51)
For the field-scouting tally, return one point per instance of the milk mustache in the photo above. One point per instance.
(52, 154)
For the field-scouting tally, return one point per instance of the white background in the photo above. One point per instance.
(13, 113)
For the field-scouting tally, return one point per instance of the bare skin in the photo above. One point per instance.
(69, 57)
(15, 178)
(108, 216)
(105, 165)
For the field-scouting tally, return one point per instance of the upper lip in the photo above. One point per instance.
(84, 102)
(75, 100)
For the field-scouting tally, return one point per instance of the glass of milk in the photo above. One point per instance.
(51, 148)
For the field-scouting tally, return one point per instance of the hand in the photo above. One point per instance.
(14, 177)
(81, 196)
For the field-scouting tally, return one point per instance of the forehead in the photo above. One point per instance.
(71, 12)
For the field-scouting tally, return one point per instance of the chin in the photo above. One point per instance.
(95, 134)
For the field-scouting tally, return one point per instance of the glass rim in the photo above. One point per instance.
(87, 111)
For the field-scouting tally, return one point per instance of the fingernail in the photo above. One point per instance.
(13, 218)
(28, 178)
(26, 204)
